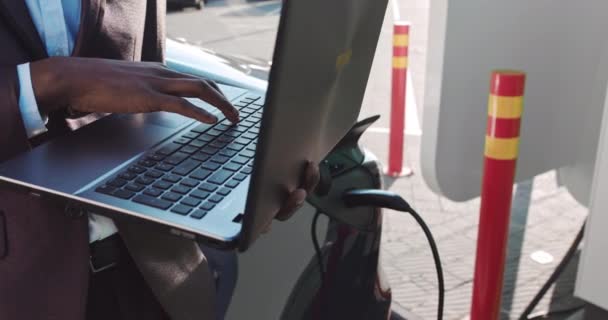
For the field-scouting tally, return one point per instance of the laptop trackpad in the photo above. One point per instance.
(70, 162)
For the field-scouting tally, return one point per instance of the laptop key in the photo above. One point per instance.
(181, 209)
(154, 174)
(134, 187)
(181, 141)
(232, 166)
(211, 165)
(207, 206)
(198, 214)
(105, 189)
(190, 182)
(176, 158)
(172, 178)
(219, 159)
(208, 187)
(227, 152)
(152, 202)
(224, 191)
(214, 132)
(249, 135)
(218, 144)
(205, 138)
(247, 170)
(117, 182)
(222, 126)
(127, 175)
(196, 144)
(186, 167)
(232, 133)
(240, 176)
(199, 194)
(162, 185)
(147, 163)
(200, 174)
(220, 177)
(201, 128)
(188, 149)
(164, 167)
(137, 169)
(181, 189)
(191, 135)
(144, 180)
(210, 150)
(240, 160)
(190, 201)
(153, 192)
(171, 196)
(168, 149)
(155, 157)
(123, 194)
(200, 156)
(247, 153)
(242, 140)
(235, 146)
(216, 198)
(233, 183)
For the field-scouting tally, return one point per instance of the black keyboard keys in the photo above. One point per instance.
(200, 174)
(181, 209)
(171, 196)
(211, 165)
(168, 149)
(190, 182)
(173, 178)
(164, 185)
(233, 166)
(232, 183)
(127, 175)
(199, 194)
(208, 187)
(198, 214)
(176, 158)
(152, 202)
(153, 192)
(123, 194)
(134, 187)
(221, 176)
(144, 180)
(186, 167)
(117, 182)
(191, 201)
(181, 189)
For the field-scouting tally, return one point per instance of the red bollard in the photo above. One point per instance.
(401, 31)
(505, 108)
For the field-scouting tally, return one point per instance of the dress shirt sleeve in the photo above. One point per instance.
(32, 119)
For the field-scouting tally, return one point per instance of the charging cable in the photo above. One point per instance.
(387, 200)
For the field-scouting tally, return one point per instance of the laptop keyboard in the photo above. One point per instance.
(193, 173)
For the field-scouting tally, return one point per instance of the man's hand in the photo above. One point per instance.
(112, 86)
(310, 179)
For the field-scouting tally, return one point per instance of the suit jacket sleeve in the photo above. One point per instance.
(13, 137)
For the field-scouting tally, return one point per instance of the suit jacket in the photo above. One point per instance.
(44, 253)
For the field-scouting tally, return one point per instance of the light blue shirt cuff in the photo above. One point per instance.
(32, 119)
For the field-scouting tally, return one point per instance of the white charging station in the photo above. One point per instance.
(562, 47)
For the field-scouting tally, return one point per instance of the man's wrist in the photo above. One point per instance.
(48, 85)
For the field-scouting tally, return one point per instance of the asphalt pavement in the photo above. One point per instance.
(545, 217)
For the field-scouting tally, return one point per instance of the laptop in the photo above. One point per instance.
(220, 183)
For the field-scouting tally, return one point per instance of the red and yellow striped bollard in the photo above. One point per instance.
(505, 108)
(401, 34)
